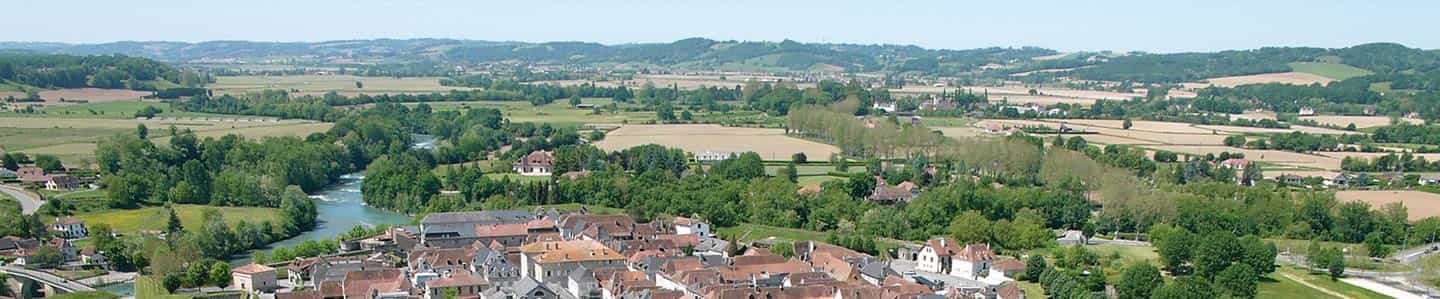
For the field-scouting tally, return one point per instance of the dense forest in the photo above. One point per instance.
(111, 72)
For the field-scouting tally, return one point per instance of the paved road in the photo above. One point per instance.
(48, 279)
(29, 203)
(1409, 256)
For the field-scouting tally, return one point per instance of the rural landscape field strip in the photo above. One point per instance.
(771, 144)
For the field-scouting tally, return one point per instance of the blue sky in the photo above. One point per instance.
(1156, 26)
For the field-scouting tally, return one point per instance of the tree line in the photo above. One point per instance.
(100, 71)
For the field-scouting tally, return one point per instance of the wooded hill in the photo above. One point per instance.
(102, 71)
(696, 53)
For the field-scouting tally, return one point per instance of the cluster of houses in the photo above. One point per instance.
(1353, 180)
(26, 251)
(36, 177)
(553, 254)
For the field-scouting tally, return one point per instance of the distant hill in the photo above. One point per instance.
(420, 55)
(696, 53)
(1379, 58)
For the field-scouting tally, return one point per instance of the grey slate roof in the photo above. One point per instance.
(478, 217)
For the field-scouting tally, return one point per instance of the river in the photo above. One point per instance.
(338, 208)
(341, 207)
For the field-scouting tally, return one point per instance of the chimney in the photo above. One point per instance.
(942, 242)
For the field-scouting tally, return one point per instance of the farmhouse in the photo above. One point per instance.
(886, 194)
(1343, 180)
(31, 175)
(1235, 163)
(69, 228)
(1307, 111)
(254, 278)
(537, 163)
(1290, 179)
(61, 181)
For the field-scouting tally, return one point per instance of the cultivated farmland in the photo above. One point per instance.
(75, 139)
(320, 84)
(1418, 204)
(1359, 121)
(771, 144)
(1296, 78)
(53, 97)
(1335, 71)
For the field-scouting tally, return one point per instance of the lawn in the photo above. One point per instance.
(746, 232)
(1128, 254)
(151, 287)
(816, 179)
(946, 121)
(516, 177)
(1282, 286)
(77, 274)
(804, 170)
(136, 220)
(593, 209)
(1299, 246)
(86, 295)
(8, 203)
(1335, 71)
(1032, 289)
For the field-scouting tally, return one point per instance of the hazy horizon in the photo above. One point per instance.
(1125, 25)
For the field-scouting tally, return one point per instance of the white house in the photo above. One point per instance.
(537, 163)
(69, 228)
(972, 262)
(1430, 180)
(709, 156)
(254, 278)
(934, 257)
(687, 226)
(887, 107)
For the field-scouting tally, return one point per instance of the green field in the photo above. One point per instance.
(516, 177)
(747, 232)
(73, 139)
(807, 170)
(105, 110)
(1329, 70)
(23, 139)
(815, 179)
(136, 220)
(557, 113)
(319, 84)
(86, 295)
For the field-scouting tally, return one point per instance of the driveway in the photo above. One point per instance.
(29, 202)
